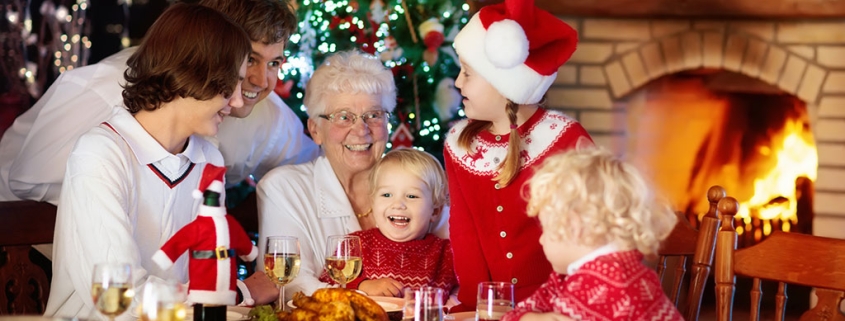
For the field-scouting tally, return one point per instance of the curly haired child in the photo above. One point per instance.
(599, 219)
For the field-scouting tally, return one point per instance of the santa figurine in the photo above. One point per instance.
(212, 241)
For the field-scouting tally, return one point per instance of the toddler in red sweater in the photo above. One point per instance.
(409, 192)
(599, 219)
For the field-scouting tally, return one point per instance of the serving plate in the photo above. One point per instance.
(389, 304)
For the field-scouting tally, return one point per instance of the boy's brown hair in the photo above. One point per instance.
(190, 51)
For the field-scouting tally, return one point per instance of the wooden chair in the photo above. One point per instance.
(24, 283)
(685, 242)
(783, 257)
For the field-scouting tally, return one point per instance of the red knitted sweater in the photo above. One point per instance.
(413, 263)
(616, 286)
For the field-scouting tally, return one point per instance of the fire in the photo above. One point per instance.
(796, 157)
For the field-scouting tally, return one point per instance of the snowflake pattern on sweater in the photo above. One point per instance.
(614, 287)
(413, 263)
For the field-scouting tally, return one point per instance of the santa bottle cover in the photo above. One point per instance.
(212, 241)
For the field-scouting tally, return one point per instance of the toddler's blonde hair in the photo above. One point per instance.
(423, 165)
(591, 197)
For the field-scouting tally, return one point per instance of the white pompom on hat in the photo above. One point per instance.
(517, 48)
(211, 179)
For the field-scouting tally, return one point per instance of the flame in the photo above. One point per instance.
(796, 157)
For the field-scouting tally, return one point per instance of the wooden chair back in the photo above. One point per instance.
(24, 285)
(685, 242)
(798, 259)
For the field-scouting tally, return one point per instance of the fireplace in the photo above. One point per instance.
(694, 129)
(794, 65)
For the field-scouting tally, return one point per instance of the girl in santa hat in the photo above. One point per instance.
(510, 53)
(599, 218)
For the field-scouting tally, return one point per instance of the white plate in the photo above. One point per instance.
(389, 304)
(233, 313)
(461, 316)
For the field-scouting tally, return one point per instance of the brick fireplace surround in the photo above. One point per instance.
(804, 58)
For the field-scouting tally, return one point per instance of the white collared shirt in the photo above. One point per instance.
(34, 151)
(122, 198)
(604, 250)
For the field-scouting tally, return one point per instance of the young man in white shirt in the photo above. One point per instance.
(262, 135)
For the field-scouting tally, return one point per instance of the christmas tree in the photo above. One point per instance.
(412, 37)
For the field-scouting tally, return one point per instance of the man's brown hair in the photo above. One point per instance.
(265, 21)
(190, 51)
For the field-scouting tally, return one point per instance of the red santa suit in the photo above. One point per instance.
(212, 239)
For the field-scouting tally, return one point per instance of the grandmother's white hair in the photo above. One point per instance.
(349, 72)
(591, 197)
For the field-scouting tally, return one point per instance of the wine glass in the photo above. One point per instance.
(494, 300)
(281, 263)
(343, 258)
(162, 300)
(111, 288)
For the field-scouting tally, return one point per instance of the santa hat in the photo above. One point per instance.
(517, 48)
(211, 180)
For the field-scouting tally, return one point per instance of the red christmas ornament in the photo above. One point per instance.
(433, 40)
(283, 88)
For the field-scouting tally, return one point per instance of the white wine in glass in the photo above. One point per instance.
(281, 263)
(111, 288)
(343, 258)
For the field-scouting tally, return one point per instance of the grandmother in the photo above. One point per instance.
(349, 100)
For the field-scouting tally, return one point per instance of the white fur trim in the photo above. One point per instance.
(224, 276)
(248, 300)
(216, 186)
(506, 44)
(520, 84)
(251, 256)
(162, 260)
(224, 267)
(212, 211)
(197, 194)
(221, 229)
(223, 297)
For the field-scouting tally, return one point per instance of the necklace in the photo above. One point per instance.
(365, 214)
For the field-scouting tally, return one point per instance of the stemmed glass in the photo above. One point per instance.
(111, 288)
(494, 300)
(343, 258)
(281, 263)
(162, 300)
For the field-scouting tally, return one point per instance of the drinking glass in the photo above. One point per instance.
(162, 300)
(281, 263)
(111, 288)
(494, 300)
(343, 258)
(423, 303)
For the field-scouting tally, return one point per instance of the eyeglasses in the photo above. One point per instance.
(346, 119)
